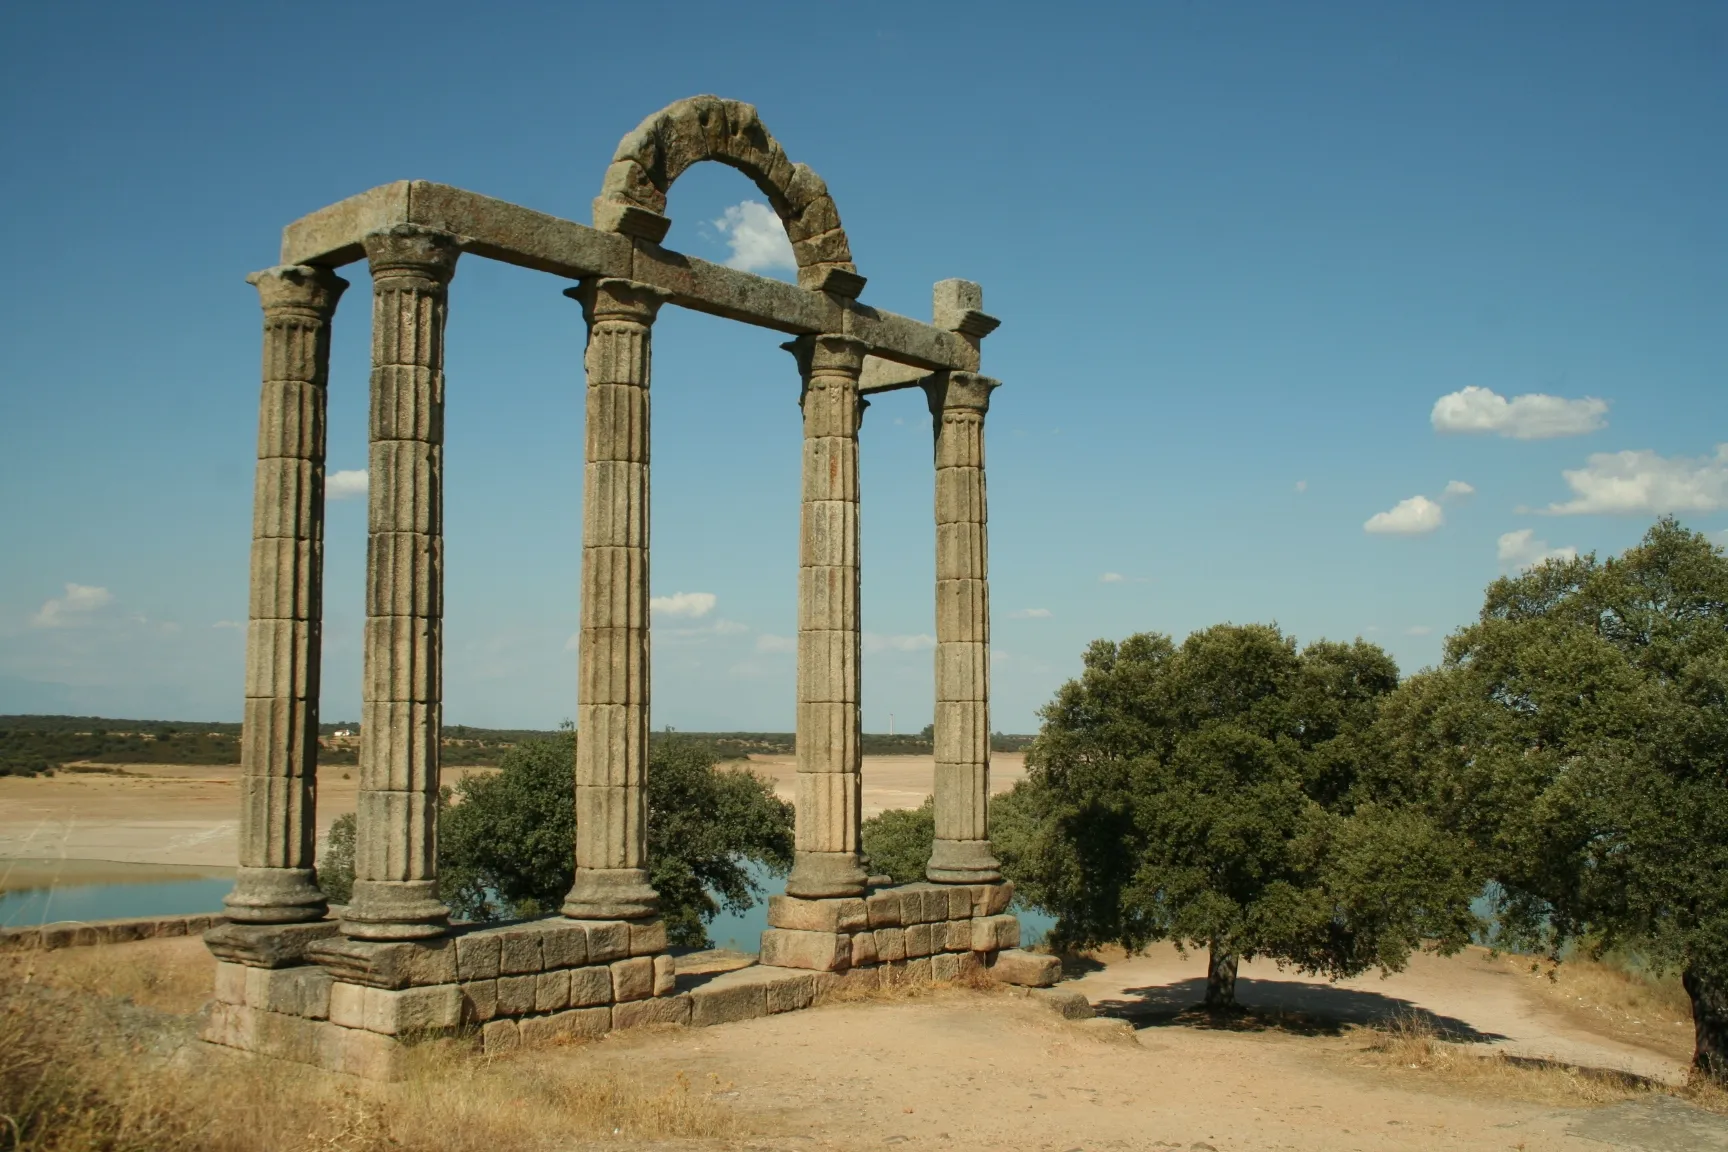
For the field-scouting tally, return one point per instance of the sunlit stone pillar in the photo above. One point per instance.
(279, 751)
(396, 841)
(827, 860)
(612, 685)
(961, 854)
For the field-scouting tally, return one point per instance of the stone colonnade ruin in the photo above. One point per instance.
(346, 991)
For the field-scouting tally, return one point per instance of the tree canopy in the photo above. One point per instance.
(1224, 794)
(1577, 734)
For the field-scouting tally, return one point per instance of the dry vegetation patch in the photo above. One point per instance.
(1615, 1000)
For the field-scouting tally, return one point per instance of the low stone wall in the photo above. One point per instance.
(81, 934)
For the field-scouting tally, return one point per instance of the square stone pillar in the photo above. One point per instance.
(612, 681)
(275, 883)
(827, 860)
(396, 842)
(961, 853)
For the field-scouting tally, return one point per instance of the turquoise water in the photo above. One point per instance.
(742, 931)
(29, 906)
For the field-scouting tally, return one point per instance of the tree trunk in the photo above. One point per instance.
(1220, 978)
(1709, 1025)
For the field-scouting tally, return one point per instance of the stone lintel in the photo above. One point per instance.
(267, 945)
(510, 233)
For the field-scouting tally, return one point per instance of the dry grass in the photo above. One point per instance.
(1409, 1044)
(892, 986)
(1613, 999)
(81, 1073)
(169, 975)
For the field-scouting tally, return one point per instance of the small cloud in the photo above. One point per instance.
(80, 601)
(1029, 614)
(876, 642)
(574, 642)
(1457, 488)
(1641, 482)
(1418, 630)
(228, 624)
(1416, 516)
(690, 605)
(729, 628)
(1520, 550)
(1112, 578)
(1530, 417)
(768, 642)
(756, 237)
(347, 485)
(1301, 485)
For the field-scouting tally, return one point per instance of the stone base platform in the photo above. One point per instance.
(359, 1006)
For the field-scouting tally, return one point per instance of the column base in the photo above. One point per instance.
(963, 862)
(816, 875)
(611, 894)
(275, 896)
(395, 910)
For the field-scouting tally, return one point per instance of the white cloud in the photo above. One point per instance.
(1535, 416)
(345, 485)
(1456, 488)
(1030, 614)
(1112, 578)
(1301, 485)
(1416, 516)
(756, 237)
(574, 642)
(1520, 550)
(1643, 482)
(229, 624)
(73, 608)
(876, 642)
(1418, 630)
(728, 628)
(688, 604)
(767, 642)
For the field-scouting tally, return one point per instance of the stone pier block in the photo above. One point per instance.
(995, 898)
(646, 939)
(853, 981)
(992, 933)
(659, 1010)
(890, 944)
(519, 952)
(267, 945)
(956, 935)
(945, 967)
(839, 914)
(347, 1005)
(500, 1036)
(665, 975)
(883, 909)
(608, 940)
(591, 986)
(818, 951)
(516, 995)
(413, 1010)
(863, 949)
(552, 991)
(564, 1027)
(632, 979)
(563, 944)
(367, 1055)
(302, 991)
(477, 956)
(230, 982)
(388, 964)
(918, 941)
(1028, 969)
(479, 1001)
(790, 992)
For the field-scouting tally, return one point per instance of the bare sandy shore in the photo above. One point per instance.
(164, 814)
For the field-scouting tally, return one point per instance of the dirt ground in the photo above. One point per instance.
(163, 814)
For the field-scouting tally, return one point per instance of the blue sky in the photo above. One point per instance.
(1265, 272)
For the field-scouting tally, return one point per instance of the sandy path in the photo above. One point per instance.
(1471, 996)
(169, 814)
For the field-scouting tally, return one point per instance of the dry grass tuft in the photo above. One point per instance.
(175, 974)
(1410, 1043)
(1614, 999)
(894, 986)
(82, 1073)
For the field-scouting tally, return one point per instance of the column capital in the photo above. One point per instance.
(616, 298)
(960, 391)
(827, 354)
(298, 288)
(410, 250)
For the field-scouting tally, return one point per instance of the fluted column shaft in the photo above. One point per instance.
(396, 842)
(827, 860)
(612, 681)
(961, 853)
(275, 883)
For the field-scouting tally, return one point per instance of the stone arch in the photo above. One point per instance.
(632, 198)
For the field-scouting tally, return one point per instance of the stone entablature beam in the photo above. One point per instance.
(503, 231)
(275, 883)
(612, 695)
(396, 837)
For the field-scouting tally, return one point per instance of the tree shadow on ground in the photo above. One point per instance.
(1306, 1008)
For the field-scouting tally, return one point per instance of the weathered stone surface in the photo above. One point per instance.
(300, 991)
(882, 909)
(500, 1036)
(990, 933)
(665, 975)
(552, 991)
(647, 938)
(918, 940)
(413, 1010)
(590, 986)
(731, 996)
(633, 979)
(608, 940)
(853, 980)
(347, 1004)
(367, 1055)
(890, 944)
(230, 982)
(563, 943)
(387, 964)
(945, 967)
(790, 991)
(519, 952)
(1028, 969)
(265, 945)
(516, 995)
(844, 914)
(477, 956)
(863, 949)
(1067, 1002)
(566, 1027)
(658, 1010)
(479, 1001)
(819, 951)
